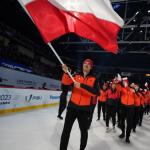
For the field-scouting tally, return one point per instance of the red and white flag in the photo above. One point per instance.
(92, 19)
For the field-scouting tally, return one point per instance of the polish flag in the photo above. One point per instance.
(92, 19)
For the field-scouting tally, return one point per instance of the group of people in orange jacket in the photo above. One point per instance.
(128, 101)
(118, 97)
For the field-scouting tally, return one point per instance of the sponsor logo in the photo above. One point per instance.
(32, 97)
(5, 99)
(54, 97)
(25, 82)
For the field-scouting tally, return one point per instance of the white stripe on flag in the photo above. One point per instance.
(102, 9)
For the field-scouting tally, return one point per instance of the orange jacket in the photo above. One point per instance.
(147, 97)
(103, 96)
(81, 96)
(127, 95)
(119, 87)
(65, 80)
(137, 98)
(111, 95)
(94, 100)
(142, 99)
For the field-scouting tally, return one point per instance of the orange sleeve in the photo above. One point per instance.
(146, 98)
(87, 92)
(66, 80)
(142, 100)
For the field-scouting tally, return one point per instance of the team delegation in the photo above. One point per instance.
(118, 100)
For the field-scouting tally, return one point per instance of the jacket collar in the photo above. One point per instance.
(88, 75)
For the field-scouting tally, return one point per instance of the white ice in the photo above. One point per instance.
(41, 130)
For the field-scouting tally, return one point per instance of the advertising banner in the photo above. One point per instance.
(11, 98)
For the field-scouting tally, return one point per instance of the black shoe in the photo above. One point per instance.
(127, 140)
(60, 117)
(121, 136)
(140, 124)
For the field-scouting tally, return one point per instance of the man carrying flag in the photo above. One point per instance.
(79, 107)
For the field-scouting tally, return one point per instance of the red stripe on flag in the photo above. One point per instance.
(53, 22)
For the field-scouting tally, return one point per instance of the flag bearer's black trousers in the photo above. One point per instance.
(83, 119)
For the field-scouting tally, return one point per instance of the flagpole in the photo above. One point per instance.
(49, 44)
(60, 60)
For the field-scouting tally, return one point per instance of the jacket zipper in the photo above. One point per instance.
(81, 91)
(127, 95)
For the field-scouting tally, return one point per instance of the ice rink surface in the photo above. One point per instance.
(41, 130)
